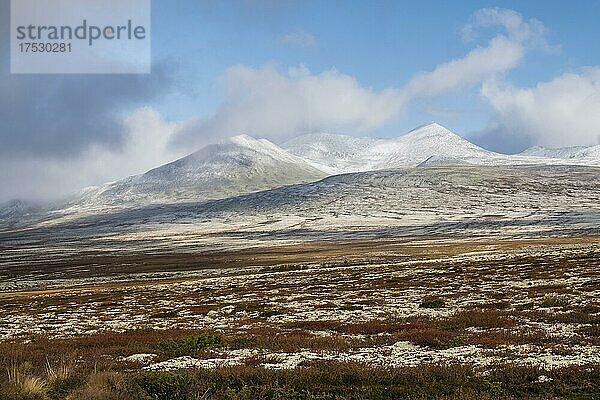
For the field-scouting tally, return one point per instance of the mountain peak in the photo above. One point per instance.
(243, 139)
(261, 146)
(243, 136)
(432, 124)
(432, 129)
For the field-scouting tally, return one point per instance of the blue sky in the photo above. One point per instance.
(504, 74)
(380, 43)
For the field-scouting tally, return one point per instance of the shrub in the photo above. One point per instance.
(269, 313)
(190, 344)
(591, 331)
(477, 318)
(432, 303)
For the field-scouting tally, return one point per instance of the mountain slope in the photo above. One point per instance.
(15, 210)
(432, 140)
(331, 152)
(583, 153)
(448, 200)
(233, 167)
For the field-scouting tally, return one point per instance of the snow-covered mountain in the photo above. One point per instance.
(243, 164)
(583, 153)
(236, 166)
(427, 145)
(15, 209)
(447, 200)
(431, 142)
(330, 152)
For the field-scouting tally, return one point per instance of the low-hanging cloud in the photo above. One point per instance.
(265, 102)
(59, 133)
(562, 112)
(61, 116)
(268, 103)
(143, 146)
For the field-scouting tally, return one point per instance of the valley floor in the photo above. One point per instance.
(410, 317)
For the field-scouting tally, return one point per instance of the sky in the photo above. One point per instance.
(506, 75)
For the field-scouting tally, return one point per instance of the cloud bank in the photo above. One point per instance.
(62, 115)
(562, 112)
(143, 146)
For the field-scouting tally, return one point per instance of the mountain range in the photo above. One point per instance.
(590, 154)
(243, 164)
(339, 154)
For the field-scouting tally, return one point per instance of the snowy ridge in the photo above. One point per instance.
(340, 154)
(583, 153)
(243, 164)
(427, 141)
(427, 145)
(15, 209)
(330, 152)
(235, 166)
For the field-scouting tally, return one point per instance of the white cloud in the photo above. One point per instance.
(267, 103)
(561, 112)
(299, 39)
(499, 56)
(531, 33)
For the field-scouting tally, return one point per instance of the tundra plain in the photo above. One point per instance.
(438, 282)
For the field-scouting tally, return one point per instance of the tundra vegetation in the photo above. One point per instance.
(380, 319)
